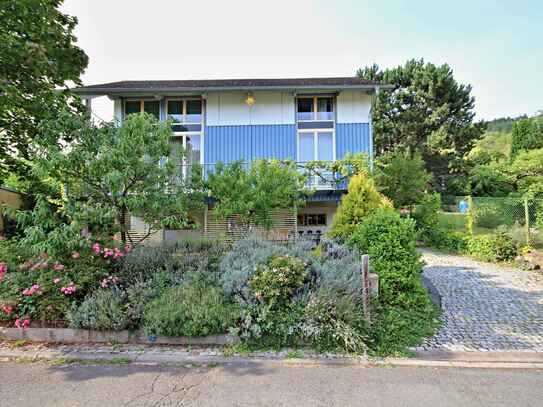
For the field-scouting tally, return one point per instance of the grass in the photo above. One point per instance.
(452, 221)
(237, 349)
(294, 354)
(18, 344)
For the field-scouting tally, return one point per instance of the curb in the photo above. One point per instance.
(529, 361)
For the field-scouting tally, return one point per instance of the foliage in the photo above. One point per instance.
(103, 310)
(490, 180)
(109, 172)
(426, 214)
(174, 259)
(427, 110)
(197, 308)
(443, 239)
(240, 264)
(275, 282)
(42, 289)
(401, 176)
(526, 135)
(503, 124)
(396, 329)
(389, 240)
(527, 171)
(361, 200)
(332, 323)
(497, 247)
(37, 56)
(252, 195)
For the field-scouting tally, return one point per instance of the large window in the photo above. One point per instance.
(142, 105)
(315, 108)
(186, 114)
(192, 146)
(317, 146)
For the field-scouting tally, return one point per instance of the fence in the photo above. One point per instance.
(521, 217)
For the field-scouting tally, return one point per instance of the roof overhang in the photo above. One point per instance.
(115, 92)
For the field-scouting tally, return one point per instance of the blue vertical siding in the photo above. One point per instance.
(249, 142)
(274, 141)
(352, 138)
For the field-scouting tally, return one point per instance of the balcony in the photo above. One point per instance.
(318, 180)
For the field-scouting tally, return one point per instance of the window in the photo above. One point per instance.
(186, 115)
(315, 145)
(140, 106)
(315, 108)
(312, 219)
(191, 145)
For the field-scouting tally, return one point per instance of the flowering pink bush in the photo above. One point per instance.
(69, 290)
(35, 289)
(56, 280)
(3, 270)
(58, 267)
(109, 281)
(76, 255)
(7, 309)
(96, 248)
(22, 324)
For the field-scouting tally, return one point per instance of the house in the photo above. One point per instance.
(224, 120)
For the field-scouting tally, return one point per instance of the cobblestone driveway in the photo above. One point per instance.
(485, 307)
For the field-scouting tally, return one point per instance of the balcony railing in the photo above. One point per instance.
(317, 179)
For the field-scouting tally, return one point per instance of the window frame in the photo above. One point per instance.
(142, 105)
(314, 113)
(184, 113)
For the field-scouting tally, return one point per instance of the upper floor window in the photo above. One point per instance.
(140, 106)
(315, 108)
(186, 114)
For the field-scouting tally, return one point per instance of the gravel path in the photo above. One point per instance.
(485, 306)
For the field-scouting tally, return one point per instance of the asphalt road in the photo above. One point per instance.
(37, 384)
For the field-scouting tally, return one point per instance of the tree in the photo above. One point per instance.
(361, 200)
(37, 56)
(254, 194)
(526, 135)
(110, 172)
(427, 110)
(401, 176)
(527, 172)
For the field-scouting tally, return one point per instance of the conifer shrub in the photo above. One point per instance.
(361, 200)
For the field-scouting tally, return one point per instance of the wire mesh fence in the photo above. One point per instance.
(520, 217)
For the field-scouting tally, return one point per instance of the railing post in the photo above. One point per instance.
(527, 221)
(470, 216)
(366, 289)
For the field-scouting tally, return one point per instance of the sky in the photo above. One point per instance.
(495, 46)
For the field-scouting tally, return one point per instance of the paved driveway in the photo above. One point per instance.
(485, 306)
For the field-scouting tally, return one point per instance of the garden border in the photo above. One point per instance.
(68, 335)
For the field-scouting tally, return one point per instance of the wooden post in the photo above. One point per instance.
(366, 289)
(527, 221)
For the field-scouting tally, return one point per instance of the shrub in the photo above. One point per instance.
(197, 308)
(426, 215)
(332, 323)
(389, 240)
(239, 265)
(454, 242)
(361, 200)
(175, 258)
(338, 269)
(103, 310)
(276, 282)
(395, 329)
(498, 247)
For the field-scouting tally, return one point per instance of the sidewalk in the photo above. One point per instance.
(491, 360)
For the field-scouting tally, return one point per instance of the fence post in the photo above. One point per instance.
(366, 289)
(469, 223)
(527, 221)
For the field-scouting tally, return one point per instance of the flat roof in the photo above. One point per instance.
(189, 85)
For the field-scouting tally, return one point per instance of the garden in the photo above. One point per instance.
(71, 261)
